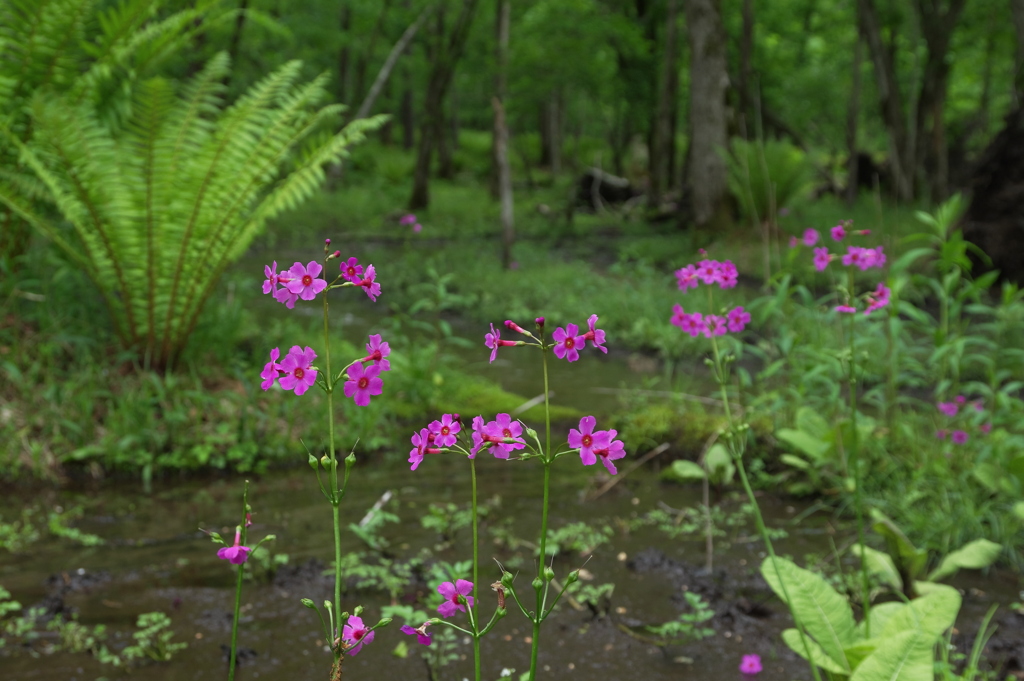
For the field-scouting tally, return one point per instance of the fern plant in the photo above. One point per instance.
(155, 214)
(89, 51)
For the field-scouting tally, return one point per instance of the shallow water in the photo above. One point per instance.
(156, 559)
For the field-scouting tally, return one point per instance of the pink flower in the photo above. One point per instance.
(453, 596)
(678, 315)
(270, 285)
(611, 450)
(709, 271)
(236, 554)
(493, 341)
(948, 408)
(420, 441)
(417, 228)
(479, 437)
(283, 295)
(686, 277)
(810, 237)
(421, 634)
(567, 340)
(351, 270)
(751, 664)
(595, 335)
(846, 309)
(504, 428)
(730, 276)
(445, 430)
(821, 258)
(407, 219)
(959, 437)
(714, 325)
(371, 286)
(271, 370)
(738, 319)
(879, 298)
(585, 439)
(298, 372)
(941, 433)
(793, 242)
(838, 233)
(986, 428)
(362, 383)
(879, 255)
(693, 324)
(378, 353)
(854, 255)
(960, 399)
(355, 634)
(304, 282)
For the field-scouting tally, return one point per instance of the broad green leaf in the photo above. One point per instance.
(882, 613)
(932, 613)
(824, 614)
(902, 551)
(794, 461)
(805, 442)
(859, 651)
(989, 475)
(719, 464)
(907, 656)
(980, 553)
(812, 423)
(683, 471)
(880, 564)
(818, 656)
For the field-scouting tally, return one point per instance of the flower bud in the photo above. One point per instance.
(309, 603)
(383, 622)
(325, 461)
(327, 604)
(350, 460)
(549, 574)
(506, 579)
(270, 537)
(312, 462)
(537, 584)
(531, 432)
(327, 242)
(358, 611)
(574, 576)
(540, 322)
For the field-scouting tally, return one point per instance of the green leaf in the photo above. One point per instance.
(880, 564)
(795, 462)
(818, 656)
(932, 613)
(1018, 509)
(812, 423)
(978, 554)
(804, 442)
(824, 614)
(719, 465)
(683, 471)
(907, 656)
(902, 551)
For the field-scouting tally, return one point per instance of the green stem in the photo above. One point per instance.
(238, 589)
(858, 501)
(476, 573)
(541, 588)
(737, 452)
(333, 482)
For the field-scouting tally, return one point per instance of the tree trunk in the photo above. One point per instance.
(449, 50)
(709, 79)
(503, 19)
(1017, 9)
(508, 229)
(852, 119)
(445, 144)
(344, 56)
(663, 135)
(900, 155)
(937, 26)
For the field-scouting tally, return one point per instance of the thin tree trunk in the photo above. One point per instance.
(503, 19)
(443, 140)
(709, 79)
(889, 97)
(663, 138)
(344, 56)
(746, 71)
(508, 228)
(449, 50)
(408, 114)
(852, 120)
(389, 64)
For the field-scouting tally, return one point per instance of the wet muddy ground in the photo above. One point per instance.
(156, 559)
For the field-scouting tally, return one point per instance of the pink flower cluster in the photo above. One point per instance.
(297, 373)
(503, 435)
(304, 281)
(707, 272)
(568, 341)
(442, 433)
(410, 219)
(697, 324)
(960, 436)
(593, 444)
(876, 300)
